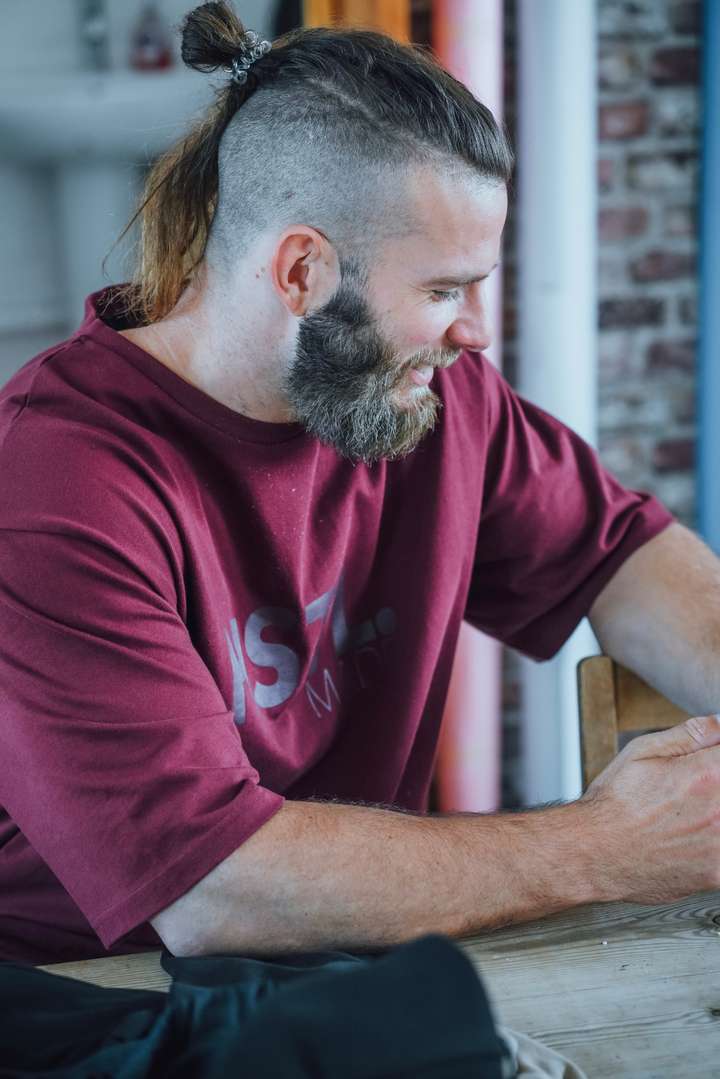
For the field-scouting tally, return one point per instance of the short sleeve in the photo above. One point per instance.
(121, 763)
(555, 527)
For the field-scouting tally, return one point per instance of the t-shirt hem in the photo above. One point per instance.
(194, 863)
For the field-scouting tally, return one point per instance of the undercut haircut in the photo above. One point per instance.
(323, 133)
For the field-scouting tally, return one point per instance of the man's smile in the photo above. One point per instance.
(422, 375)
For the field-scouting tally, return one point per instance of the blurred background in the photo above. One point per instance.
(603, 293)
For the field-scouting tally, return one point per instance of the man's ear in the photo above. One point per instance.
(304, 269)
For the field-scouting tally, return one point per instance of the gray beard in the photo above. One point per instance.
(344, 377)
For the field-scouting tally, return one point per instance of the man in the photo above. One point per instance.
(231, 594)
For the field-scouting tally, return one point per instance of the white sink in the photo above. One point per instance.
(122, 116)
(86, 138)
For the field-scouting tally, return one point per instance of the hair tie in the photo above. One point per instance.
(252, 49)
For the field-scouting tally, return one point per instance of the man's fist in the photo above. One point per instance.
(651, 820)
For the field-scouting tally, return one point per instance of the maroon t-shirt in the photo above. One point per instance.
(202, 614)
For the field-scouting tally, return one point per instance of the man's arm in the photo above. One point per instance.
(319, 876)
(647, 830)
(660, 616)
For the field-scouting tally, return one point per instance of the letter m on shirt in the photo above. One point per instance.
(326, 702)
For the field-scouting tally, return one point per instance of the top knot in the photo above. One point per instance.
(213, 37)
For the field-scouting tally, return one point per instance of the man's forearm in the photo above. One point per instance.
(356, 878)
(327, 875)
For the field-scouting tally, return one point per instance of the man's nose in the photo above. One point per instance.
(473, 328)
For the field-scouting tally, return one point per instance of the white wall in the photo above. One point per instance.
(30, 286)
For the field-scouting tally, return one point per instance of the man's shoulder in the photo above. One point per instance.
(84, 386)
(68, 443)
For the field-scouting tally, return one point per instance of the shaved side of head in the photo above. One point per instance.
(321, 163)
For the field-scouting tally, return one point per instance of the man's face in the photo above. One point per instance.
(363, 362)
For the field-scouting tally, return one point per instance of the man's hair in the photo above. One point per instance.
(322, 133)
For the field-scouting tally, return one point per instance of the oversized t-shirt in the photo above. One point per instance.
(202, 614)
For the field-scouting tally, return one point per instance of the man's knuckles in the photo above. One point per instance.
(699, 732)
(704, 730)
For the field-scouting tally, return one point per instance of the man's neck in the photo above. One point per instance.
(232, 349)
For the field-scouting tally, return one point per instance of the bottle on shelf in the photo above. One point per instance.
(151, 46)
(94, 35)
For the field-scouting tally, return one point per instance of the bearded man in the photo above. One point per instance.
(240, 532)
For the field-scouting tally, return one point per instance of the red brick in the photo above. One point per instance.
(664, 356)
(605, 173)
(621, 222)
(676, 455)
(675, 67)
(662, 266)
(686, 17)
(623, 120)
(626, 314)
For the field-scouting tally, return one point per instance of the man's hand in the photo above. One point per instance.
(654, 814)
(319, 876)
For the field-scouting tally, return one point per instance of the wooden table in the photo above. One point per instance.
(627, 992)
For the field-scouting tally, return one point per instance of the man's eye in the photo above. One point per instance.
(452, 295)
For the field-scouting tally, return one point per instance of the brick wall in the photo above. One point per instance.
(647, 178)
(648, 57)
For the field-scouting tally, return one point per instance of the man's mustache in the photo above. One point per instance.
(438, 358)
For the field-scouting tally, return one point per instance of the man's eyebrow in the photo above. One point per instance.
(457, 282)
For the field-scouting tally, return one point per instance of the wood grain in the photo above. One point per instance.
(643, 1005)
(640, 707)
(142, 971)
(598, 716)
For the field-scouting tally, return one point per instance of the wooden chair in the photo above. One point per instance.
(611, 699)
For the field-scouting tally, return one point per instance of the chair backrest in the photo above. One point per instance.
(611, 699)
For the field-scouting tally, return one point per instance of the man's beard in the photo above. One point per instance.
(345, 375)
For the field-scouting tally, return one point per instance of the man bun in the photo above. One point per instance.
(212, 37)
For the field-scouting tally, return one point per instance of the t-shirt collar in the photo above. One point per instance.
(102, 322)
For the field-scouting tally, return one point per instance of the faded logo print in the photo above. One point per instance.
(359, 642)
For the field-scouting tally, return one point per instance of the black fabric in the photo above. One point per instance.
(213, 970)
(418, 1012)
